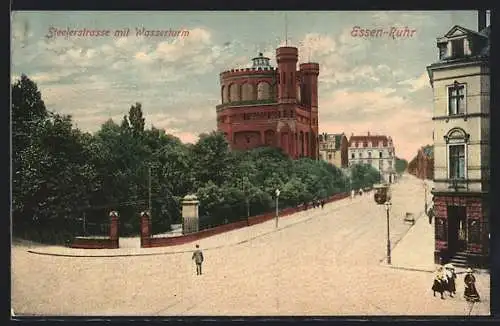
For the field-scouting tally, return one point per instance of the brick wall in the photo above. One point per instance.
(253, 220)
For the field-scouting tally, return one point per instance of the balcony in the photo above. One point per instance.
(246, 103)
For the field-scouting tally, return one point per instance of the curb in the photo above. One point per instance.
(279, 229)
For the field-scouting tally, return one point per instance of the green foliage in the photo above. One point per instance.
(401, 165)
(364, 175)
(62, 176)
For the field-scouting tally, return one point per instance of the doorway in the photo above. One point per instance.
(456, 228)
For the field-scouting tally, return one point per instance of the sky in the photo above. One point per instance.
(366, 84)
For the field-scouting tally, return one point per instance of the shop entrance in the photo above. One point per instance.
(456, 229)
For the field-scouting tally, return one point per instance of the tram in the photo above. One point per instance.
(382, 193)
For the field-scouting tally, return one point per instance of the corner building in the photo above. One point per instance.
(461, 87)
(267, 106)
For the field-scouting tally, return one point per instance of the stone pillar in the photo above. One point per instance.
(145, 229)
(113, 227)
(190, 222)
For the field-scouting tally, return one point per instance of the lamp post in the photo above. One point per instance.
(387, 209)
(277, 192)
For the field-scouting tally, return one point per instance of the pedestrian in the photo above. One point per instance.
(352, 194)
(360, 192)
(198, 259)
(430, 214)
(450, 277)
(438, 284)
(322, 204)
(470, 292)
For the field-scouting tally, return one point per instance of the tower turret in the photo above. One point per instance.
(309, 73)
(287, 58)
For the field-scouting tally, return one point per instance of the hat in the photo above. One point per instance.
(469, 270)
(449, 266)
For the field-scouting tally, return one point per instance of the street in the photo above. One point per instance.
(319, 262)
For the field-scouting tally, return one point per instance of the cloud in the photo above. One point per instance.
(380, 111)
(416, 84)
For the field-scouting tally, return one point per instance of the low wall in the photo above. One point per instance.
(89, 243)
(253, 220)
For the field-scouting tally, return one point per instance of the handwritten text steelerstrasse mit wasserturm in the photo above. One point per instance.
(69, 32)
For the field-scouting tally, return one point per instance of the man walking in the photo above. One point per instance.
(198, 259)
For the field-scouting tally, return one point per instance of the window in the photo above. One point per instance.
(360, 155)
(457, 161)
(380, 154)
(329, 156)
(442, 51)
(457, 48)
(369, 154)
(352, 155)
(456, 99)
(357, 144)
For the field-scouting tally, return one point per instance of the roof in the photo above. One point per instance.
(374, 139)
(457, 31)
(337, 138)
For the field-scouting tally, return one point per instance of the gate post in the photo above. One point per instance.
(113, 228)
(190, 221)
(145, 230)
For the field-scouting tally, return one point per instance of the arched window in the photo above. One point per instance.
(224, 94)
(456, 143)
(263, 91)
(234, 93)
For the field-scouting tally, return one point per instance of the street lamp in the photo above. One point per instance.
(277, 192)
(387, 209)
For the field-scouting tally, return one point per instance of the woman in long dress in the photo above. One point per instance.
(439, 282)
(470, 292)
(450, 277)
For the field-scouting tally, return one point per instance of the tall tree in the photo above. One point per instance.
(135, 117)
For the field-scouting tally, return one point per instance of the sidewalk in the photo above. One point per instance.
(416, 250)
(227, 239)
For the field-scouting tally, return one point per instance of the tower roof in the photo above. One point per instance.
(260, 61)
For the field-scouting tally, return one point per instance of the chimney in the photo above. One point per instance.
(481, 20)
(368, 133)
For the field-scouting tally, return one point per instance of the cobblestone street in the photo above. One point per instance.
(319, 262)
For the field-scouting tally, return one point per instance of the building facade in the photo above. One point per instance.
(333, 148)
(461, 88)
(266, 106)
(422, 165)
(377, 150)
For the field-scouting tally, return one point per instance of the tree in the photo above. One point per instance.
(137, 122)
(401, 165)
(210, 159)
(364, 175)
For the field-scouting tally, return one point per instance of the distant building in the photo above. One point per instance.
(333, 149)
(377, 150)
(422, 165)
(267, 106)
(461, 85)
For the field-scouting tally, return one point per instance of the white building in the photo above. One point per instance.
(461, 85)
(377, 150)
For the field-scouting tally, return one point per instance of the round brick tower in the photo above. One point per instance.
(263, 106)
